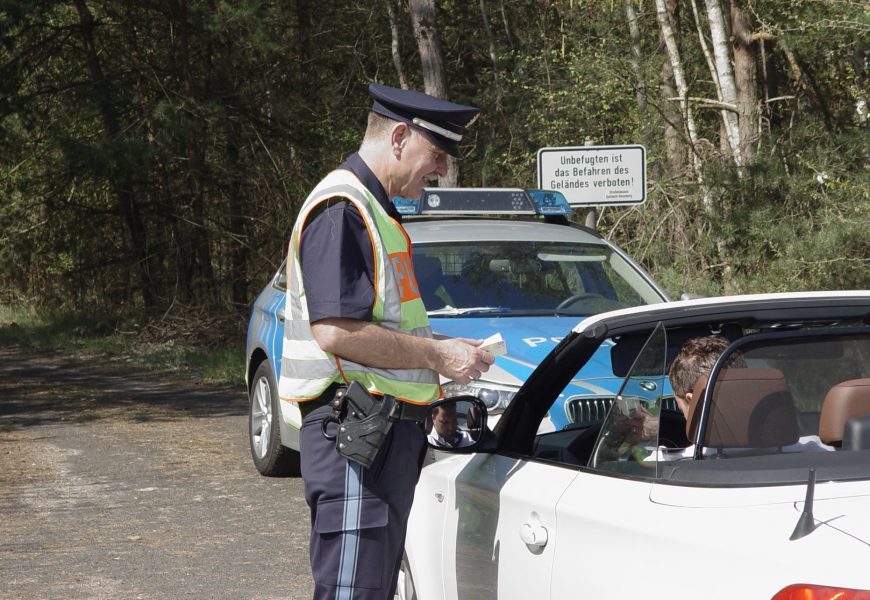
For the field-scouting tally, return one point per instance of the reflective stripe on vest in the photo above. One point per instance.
(306, 370)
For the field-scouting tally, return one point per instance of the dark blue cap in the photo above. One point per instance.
(444, 121)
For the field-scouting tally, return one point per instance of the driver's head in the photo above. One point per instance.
(445, 421)
(696, 358)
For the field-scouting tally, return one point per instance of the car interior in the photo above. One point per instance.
(801, 399)
(521, 276)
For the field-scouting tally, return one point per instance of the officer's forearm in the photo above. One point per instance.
(376, 346)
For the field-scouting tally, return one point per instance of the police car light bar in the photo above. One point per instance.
(484, 201)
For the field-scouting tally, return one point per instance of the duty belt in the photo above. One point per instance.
(409, 412)
(364, 420)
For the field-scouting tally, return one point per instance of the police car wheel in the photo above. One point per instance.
(270, 457)
(405, 588)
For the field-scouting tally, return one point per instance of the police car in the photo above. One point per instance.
(487, 262)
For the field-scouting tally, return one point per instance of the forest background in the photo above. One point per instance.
(153, 154)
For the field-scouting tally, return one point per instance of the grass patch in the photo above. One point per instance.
(165, 346)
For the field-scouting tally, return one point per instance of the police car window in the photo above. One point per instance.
(526, 277)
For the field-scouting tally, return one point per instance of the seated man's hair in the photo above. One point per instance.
(697, 356)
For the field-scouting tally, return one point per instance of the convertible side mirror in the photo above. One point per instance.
(456, 424)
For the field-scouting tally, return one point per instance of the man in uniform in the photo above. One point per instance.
(354, 314)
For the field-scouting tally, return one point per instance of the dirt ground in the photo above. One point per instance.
(117, 483)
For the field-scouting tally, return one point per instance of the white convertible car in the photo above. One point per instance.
(731, 504)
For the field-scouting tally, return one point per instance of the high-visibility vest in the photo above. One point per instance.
(307, 370)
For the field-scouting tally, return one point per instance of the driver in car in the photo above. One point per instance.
(695, 360)
(445, 429)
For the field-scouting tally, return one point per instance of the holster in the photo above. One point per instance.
(363, 422)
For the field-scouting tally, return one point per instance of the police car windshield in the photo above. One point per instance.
(526, 278)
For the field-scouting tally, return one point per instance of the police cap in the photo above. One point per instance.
(444, 121)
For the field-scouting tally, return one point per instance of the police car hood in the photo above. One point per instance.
(528, 340)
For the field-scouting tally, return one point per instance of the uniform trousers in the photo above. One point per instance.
(359, 515)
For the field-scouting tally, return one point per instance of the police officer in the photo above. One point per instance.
(354, 313)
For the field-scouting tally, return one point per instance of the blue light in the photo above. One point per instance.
(406, 206)
(484, 201)
(548, 202)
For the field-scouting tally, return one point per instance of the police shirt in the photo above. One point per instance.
(336, 253)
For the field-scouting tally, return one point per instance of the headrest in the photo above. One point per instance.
(694, 415)
(425, 266)
(844, 401)
(500, 265)
(751, 408)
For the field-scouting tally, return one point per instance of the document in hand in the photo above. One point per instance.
(494, 344)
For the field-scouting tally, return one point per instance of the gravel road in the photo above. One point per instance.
(117, 483)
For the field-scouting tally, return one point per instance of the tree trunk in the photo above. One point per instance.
(236, 201)
(492, 53)
(674, 124)
(424, 20)
(724, 75)
(394, 44)
(746, 77)
(634, 36)
(664, 17)
(200, 244)
(184, 239)
(121, 185)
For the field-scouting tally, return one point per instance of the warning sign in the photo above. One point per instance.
(595, 175)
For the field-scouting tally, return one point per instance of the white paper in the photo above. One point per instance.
(495, 344)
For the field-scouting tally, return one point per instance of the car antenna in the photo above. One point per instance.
(806, 524)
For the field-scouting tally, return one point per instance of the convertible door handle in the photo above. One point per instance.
(534, 535)
(280, 314)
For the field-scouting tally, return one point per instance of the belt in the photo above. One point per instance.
(404, 411)
(410, 412)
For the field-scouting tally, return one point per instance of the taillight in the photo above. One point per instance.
(805, 591)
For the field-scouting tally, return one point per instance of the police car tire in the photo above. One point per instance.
(406, 590)
(279, 460)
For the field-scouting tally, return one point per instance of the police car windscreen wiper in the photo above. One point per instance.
(450, 311)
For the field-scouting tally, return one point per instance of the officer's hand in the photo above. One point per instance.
(461, 360)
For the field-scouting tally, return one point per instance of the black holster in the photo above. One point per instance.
(363, 421)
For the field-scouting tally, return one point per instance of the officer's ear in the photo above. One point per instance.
(399, 134)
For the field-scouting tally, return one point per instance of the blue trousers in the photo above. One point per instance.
(359, 515)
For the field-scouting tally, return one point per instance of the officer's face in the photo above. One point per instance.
(425, 163)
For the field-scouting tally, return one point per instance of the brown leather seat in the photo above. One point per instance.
(752, 408)
(844, 401)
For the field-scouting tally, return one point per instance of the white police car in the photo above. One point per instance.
(486, 261)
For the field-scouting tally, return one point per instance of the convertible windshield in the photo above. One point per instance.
(525, 277)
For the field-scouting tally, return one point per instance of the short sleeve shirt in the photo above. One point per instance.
(336, 253)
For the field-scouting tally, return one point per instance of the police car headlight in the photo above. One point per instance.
(496, 397)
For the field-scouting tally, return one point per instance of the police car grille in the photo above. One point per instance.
(588, 409)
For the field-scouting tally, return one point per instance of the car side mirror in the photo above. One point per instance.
(456, 424)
